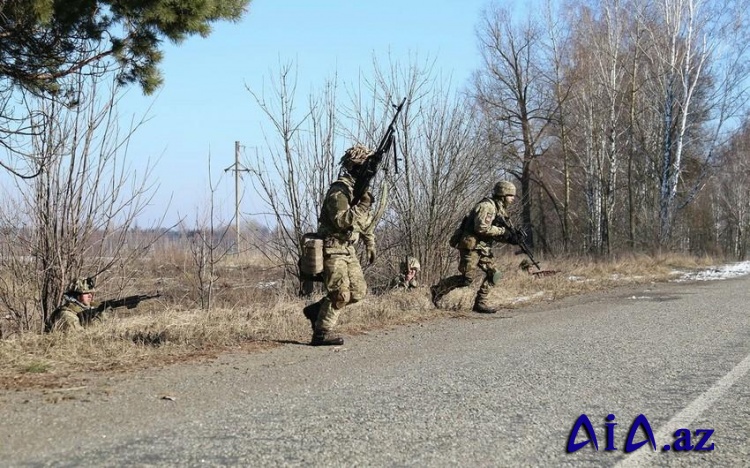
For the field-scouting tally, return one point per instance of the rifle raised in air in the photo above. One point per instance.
(371, 165)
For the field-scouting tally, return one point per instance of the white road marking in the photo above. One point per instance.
(684, 418)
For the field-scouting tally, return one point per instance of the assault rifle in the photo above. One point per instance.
(129, 302)
(519, 236)
(370, 167)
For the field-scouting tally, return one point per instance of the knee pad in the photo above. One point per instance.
(339, 298)
(494, 277)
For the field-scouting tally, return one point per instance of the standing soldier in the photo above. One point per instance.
(407, 279)
(341, 225)
(474, 243)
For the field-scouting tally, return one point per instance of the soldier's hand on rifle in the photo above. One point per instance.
(513, 237)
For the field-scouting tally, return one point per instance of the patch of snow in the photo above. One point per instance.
(730, 270)
(527, 298)
(578, 278)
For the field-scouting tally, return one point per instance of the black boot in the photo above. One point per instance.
(322, 338)
(311, 313)
(435, 296)
(482, 308)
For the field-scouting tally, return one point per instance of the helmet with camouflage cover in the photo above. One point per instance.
(409, 263)
(503, 188)
(356, 155)
(82, 286)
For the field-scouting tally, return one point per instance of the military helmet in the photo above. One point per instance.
(82, 286)
(503, 188)
(408, 263)
(356, 155)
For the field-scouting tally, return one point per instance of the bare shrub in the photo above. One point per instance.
(74, 218)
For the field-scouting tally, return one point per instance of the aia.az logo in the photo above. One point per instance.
(684, 439)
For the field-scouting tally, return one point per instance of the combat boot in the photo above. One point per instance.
(322, 338)
(435, 296)
(311, 313)
(482, 308)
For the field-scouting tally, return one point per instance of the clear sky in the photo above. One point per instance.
(204, 107)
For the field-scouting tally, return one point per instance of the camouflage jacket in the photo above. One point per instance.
(62, 317)
(340, 224)
(479, 231)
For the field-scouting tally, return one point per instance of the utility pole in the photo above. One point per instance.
(237, 169)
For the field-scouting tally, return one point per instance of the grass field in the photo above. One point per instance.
(255, 313)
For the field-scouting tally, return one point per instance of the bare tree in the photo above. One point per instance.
(700, 49)
(74, 217)
(208, 245)
(296, 165)
(445, 168)
(597, 100)
(516, 96)
(733, 192)
(557, 49)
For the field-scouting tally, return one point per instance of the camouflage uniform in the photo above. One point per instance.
(72, 314)
(341, 226)
(401, 280)
(475, 248)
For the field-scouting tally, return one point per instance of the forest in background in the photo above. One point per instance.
(622, 123)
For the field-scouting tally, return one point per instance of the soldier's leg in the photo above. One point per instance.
(466, 266)
(491, 278)
(312, 311)
(357, 284)
(336, 278)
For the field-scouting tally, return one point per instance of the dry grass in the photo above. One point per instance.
(165, 331)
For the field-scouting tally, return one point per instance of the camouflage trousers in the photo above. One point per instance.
(471, 262)
(345, 284)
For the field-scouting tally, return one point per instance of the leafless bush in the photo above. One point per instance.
(74, 217)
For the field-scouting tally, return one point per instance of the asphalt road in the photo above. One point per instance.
(473, 391)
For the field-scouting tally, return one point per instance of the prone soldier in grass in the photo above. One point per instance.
(77, 310)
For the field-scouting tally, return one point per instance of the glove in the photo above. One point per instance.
(370, 254)
(513, 237)
(366, 201)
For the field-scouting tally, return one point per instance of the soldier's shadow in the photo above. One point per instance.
(293, 342)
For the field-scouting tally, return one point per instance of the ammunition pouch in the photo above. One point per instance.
(311, 261)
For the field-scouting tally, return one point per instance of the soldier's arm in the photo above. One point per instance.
(485, 215)
(344, 216)
(369, 239)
